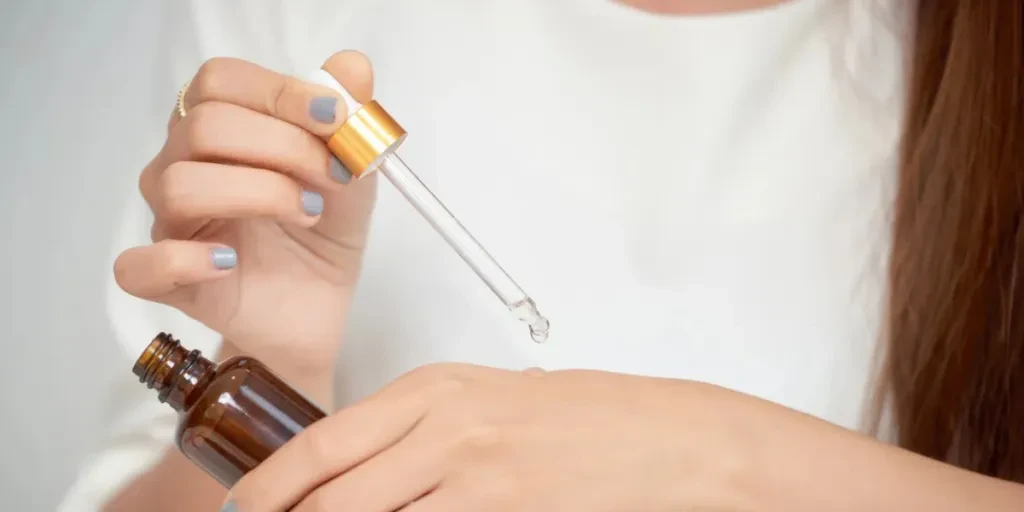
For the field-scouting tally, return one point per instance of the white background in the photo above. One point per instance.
(74, 84)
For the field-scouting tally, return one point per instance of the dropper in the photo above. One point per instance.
(367, 142)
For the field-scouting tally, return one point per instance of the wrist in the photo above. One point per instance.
(314, 379)
(785, 460)
(740, 453)
(734, 456)
(706, 451)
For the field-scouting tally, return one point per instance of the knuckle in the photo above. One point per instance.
(121, 274)
(149, 177)
(148, 187)
(212, 77)
(471, 432)
(278, 98)
(450, 385)
(173, 192)
(427, 373)
(478, 437)
(201, 129)
(319, 449)
(440, 373)
(447, 386)
(143, 187)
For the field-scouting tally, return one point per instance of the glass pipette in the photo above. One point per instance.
(367, 142)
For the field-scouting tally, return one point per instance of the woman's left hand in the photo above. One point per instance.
(449, 438)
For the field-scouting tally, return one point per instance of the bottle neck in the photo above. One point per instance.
(176, 373)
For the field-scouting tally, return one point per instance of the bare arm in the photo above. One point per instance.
(822, 467)
(175, 483)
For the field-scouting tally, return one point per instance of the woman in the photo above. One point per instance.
(700, 195)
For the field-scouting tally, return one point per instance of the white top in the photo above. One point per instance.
(695, 197)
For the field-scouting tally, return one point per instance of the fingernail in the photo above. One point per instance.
(339, 172)
(224, 258)
(312, 203)
(229, 507)
(322, 108)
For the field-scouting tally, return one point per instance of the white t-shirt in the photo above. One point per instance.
(703, 198)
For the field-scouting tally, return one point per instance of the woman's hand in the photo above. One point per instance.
(258, 229)
(449, 438)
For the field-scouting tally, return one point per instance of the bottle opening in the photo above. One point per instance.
(147, 366)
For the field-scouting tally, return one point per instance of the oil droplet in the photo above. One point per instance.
(539, 330)
(527, 312)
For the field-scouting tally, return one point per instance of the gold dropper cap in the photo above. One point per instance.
(367, 136)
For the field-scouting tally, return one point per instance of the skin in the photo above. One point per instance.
(295, 271)
(450, 437)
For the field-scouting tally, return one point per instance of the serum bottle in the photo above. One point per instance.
(233, 415)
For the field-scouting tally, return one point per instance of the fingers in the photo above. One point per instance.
(231, 106)
(154, 271)
(353, 71)
(384, 483)
(239, 113)
(327, 448)
(346, 439)
(314, 108)
(222, 132)
(190, 194)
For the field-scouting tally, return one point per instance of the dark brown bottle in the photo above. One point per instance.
(233, 414)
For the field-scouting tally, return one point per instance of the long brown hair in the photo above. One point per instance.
(955, 363)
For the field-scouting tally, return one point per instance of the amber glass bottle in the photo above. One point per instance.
(233, 414)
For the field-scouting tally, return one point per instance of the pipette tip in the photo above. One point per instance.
(539, 330)
(528, 313)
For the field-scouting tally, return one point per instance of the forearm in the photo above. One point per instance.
(175, 483)
(821, 467)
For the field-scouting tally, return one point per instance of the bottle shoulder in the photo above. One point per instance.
(239, 365)
(236, 363)
(225, 381)
(217, 392)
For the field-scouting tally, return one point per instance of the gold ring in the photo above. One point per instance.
(181, 99)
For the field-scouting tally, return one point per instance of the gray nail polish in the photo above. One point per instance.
(322, 108)
(339, 172)
(229, 507)
(312, 203)
(224, 258)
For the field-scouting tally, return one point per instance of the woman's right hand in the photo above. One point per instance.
(259, 230)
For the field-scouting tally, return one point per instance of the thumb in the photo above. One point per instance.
(166, 271)
(347, 211)
(354, 72)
